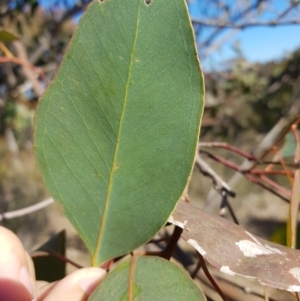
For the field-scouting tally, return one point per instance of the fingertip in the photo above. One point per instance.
(90, 279)
(16, 275)
(11, 290)
(76, 286)
(27, 281)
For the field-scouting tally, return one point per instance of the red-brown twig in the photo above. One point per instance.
(273, 185)
(108, 264)
(272, 172)
(288, 173)
(276, 186)
(295, 122)
(196, 270)
(221, 160)
(15, 60)
(256, 181)
(210, 278)
(276, 163)
(167, 252)
(228, 147)
(57, 255)
(239, 152)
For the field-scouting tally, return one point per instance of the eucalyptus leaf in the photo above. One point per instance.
(289, 146)
(7, 36)
(147, 279)
(236, 251)
(116, 131)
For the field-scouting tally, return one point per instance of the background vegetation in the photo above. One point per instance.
(248, 105)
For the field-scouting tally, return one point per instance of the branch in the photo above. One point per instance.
(70, 14)
(22, 55)
(218, 182)
(234, 19)
(289, 173)
(244, 25)
(235, 27)
(27, 210)
(210, 278)
(38, 254)
(285, 12)
(252, 176)
(228, 147)
(15, 60)
(271, 139)
(263, 185)
(167, 252)
(225, 204)
(221, 160)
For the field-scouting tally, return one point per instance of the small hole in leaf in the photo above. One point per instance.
(148, 2)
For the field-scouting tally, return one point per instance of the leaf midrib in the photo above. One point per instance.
(109, 187)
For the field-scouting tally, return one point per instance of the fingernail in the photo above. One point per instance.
(25, 279)
(91, 278)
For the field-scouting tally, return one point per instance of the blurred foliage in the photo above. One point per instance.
(279, 236)
(249, 97)
(289, 146)
(6, 36)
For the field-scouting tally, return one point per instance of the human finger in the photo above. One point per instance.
(77, 286)
(16, 269)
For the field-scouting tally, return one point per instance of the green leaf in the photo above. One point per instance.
(289, 146)
(116, 131)
(279, 236)
(7, 36)
(150, 278)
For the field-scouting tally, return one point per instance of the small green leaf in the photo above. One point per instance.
(279, 236)
(289, 145)
(116, 131)
(151, 278)
(6, 36)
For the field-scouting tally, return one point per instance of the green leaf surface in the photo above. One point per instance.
(279, 236)
(289, 146)
(150, 278)
(6, 36)
(116, 131)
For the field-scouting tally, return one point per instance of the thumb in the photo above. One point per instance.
(16, 270)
